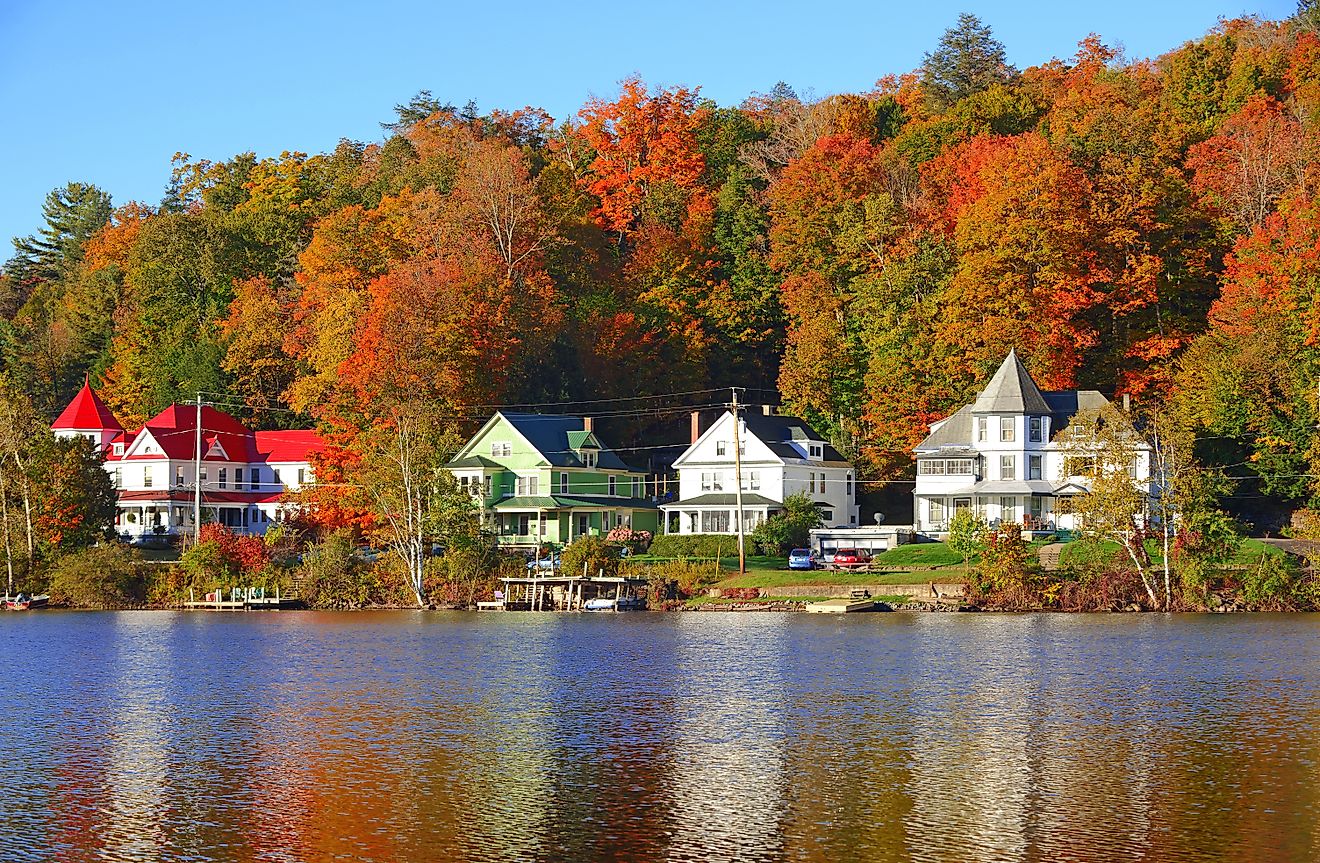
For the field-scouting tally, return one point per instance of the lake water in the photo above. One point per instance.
(450, 736)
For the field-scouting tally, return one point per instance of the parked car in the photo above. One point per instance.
(851, 557)
(801, 558)
(826, 556)
(549, 563)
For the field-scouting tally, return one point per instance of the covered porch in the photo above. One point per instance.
(527, 522)
(717, 513)
(1036, 505)
(144, 515)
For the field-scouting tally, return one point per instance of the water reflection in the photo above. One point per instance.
(408, 736)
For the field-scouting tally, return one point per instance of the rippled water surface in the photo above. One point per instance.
(448, 736)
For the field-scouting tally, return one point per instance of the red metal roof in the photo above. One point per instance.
(87, 412)
(288, 445)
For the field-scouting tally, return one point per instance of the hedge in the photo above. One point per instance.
(705, 545)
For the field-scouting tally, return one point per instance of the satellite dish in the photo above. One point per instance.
(879, 517)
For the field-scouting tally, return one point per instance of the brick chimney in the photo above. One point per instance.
(696, 425)
(587, 423)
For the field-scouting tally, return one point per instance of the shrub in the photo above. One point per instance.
(674, 579)
(635, 540)
(1278, 584)
(705, 545)
(594, 553)
(103, 576)
(331, 577)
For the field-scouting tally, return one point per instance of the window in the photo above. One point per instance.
(816, 450)
(637, 490)
(751, 480)
(589, 457)
(930, 467)
(937, 512)
(1033, 467)
(706, 481)
(720, 447)
(613, 485)
(238, 478)
(302, 476)
(119, 449)
(715, 522)
(541, 526)
(275, 472)
(1007, 467)
(1006, 508)
(527, 485)
(501, 448)
(584, 524)
(224, 477)
(563, 483)
(201, 476)
(119, 478)
(848, 490)
(981, 425)
(146, 477)
(756, 480)
(1005, 428)
(524, 524)
(256, 478)
(487, 486)
(1035, 429)
(1037, 507)
(178, 475)
(1132, 469)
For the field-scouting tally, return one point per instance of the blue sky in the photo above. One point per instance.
(107, 92)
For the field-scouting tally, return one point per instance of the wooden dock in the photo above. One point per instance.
(841, 606)
(240, 599)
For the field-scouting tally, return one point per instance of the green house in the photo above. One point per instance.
(548, 479)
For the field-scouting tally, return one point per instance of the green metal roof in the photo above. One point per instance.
(574, 502)
(472, 461)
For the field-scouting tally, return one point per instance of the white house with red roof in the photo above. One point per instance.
(243, 474)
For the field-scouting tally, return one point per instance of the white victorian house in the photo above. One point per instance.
(780, 456)
(1002, 457)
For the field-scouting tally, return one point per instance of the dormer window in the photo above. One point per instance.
(589, 457)
(119, 449)
(816, 450)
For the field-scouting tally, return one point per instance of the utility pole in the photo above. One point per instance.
(197, 471)
(737, 486)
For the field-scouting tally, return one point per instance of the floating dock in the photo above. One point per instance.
(841, 606)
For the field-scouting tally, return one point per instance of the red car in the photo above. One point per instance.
(847, 557)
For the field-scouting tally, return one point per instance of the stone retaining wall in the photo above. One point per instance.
(916, 591)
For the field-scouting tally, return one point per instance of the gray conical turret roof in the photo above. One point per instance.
(1011, 391)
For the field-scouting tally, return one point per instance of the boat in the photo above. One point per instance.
(24, 603)
(609, 603)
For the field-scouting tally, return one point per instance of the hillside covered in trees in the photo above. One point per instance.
(1148, 227)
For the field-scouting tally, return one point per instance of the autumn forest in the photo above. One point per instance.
(1147, 227)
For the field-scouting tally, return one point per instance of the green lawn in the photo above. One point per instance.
(1248, 554)
(711, 600)
(919, 554)
(785, 578)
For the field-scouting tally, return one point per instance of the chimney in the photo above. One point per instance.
(587, 424)
(768, 410)
(696, 425)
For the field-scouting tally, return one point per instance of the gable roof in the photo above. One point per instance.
(1011, 391)
(555, 436)
(1061, 406)
(86, 412)
(777, 431)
